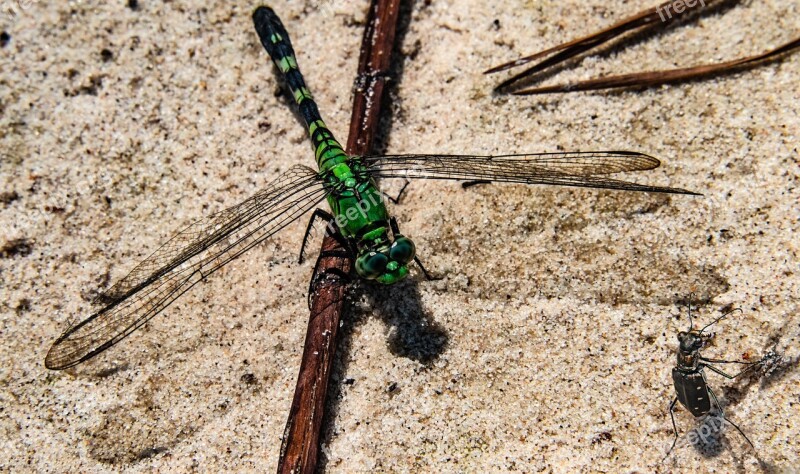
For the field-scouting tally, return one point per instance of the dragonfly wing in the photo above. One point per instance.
(584, 169)
(187, 258)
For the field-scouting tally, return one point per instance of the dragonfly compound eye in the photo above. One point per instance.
(371, 265)
(402, 250)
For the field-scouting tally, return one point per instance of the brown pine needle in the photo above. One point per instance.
(637, 21)
(654, 78)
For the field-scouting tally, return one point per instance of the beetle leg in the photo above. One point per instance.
(749, 366)
(722, 414)
(723, 361)
(674, 427)
(727, 376)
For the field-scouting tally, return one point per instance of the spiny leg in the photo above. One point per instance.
(722, 414)
(674, 427)
(345, 252)
(396, 230)
(707, 363)
(318, 214)
(396, 200)
(332, 230)
(723, 361)
(475, 182)
(428, 276)
(328, 218)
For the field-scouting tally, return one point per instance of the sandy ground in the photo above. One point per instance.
(549, 343)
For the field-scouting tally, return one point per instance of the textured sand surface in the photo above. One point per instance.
(549, 343)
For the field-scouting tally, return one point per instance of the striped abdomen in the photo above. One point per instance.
(327, 150)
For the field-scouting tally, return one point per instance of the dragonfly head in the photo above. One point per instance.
(386, 263)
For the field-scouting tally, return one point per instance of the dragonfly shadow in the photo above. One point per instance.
(412, 334)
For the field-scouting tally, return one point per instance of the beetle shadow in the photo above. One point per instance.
(708, 436)
(776, 364)
(712, 437)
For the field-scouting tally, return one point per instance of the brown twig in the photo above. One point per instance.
(300, 447)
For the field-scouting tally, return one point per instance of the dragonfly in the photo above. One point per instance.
(348, 183)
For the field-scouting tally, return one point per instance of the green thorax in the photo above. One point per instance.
(361, 216)
(355, 200)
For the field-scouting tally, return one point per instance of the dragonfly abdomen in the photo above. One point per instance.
(327, 150)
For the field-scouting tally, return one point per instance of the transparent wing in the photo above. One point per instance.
(187, 258)
(584, 169)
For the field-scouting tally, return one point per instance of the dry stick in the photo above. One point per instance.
(300, 447)
(575, 47)
(653, 78)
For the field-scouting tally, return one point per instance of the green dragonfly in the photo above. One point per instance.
(347, 182)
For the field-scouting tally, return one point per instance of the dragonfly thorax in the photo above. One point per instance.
(362, 217)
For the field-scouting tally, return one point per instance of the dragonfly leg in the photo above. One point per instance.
(328, 218)
(393, 225)
(722, 414)
(345, 251)
(674, 427)
(428, 276)
(474, 182)
(396, 200)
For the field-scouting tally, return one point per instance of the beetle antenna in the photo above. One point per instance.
(689, 304)
(719, 318)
